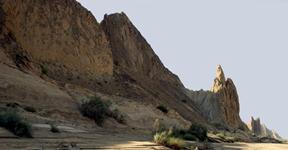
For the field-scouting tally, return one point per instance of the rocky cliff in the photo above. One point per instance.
(137, 65)
(55, 34)
(220, 105)
(54, 53)
(62, 43)
(261, 130)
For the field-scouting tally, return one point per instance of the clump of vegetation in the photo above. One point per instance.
(184, 134)
(13, 122)
(175, 143)
(163, 109)
(95, 109)
(99, 110)
(29, 109)
(44, 69)
(167, 139)
(195, 133)
(174, 138)
(54, 128)
(199, 131)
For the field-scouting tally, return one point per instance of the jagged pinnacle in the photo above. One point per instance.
(220, 74)
(219, 80)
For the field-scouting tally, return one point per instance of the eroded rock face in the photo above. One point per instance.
(60, 34)
(220, 105)
(131, 52)
(136, 64)
(112, 58)
(261, 130)
(228, 97)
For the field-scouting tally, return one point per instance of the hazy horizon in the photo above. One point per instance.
(248, 38)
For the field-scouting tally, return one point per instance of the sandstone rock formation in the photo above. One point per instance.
(56, 33)
(261, 130)
(220, 105)
(137, 65)
(111, 58)
(228, 96)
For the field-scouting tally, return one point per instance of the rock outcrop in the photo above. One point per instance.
(261, 130)
(220, 105)
(228, 97)
(55, 34)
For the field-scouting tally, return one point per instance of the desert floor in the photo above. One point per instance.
(75, 139)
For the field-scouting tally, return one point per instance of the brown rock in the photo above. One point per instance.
(261, 130)
(137, 65)
(220, 105)
(61, 35)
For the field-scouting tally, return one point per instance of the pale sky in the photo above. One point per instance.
(249, 38)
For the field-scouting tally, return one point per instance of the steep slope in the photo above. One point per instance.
(220, 105)
(136, 64)
(55, 34)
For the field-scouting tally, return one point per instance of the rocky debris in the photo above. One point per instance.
(220, 105)
(261, 130)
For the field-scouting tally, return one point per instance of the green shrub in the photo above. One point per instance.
(13, 122)
(189, 137)
(163, 109)
(54, 128)
(44, 69)
(30, 109)
(166, 138)
(161, 138)
(98, 110)
(185, 134)
(199, 131)
(175, 143)
(95, 109)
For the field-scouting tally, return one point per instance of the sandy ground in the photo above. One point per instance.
(75, 139)
(248, 146)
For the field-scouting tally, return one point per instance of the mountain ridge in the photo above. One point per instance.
(71, 56)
